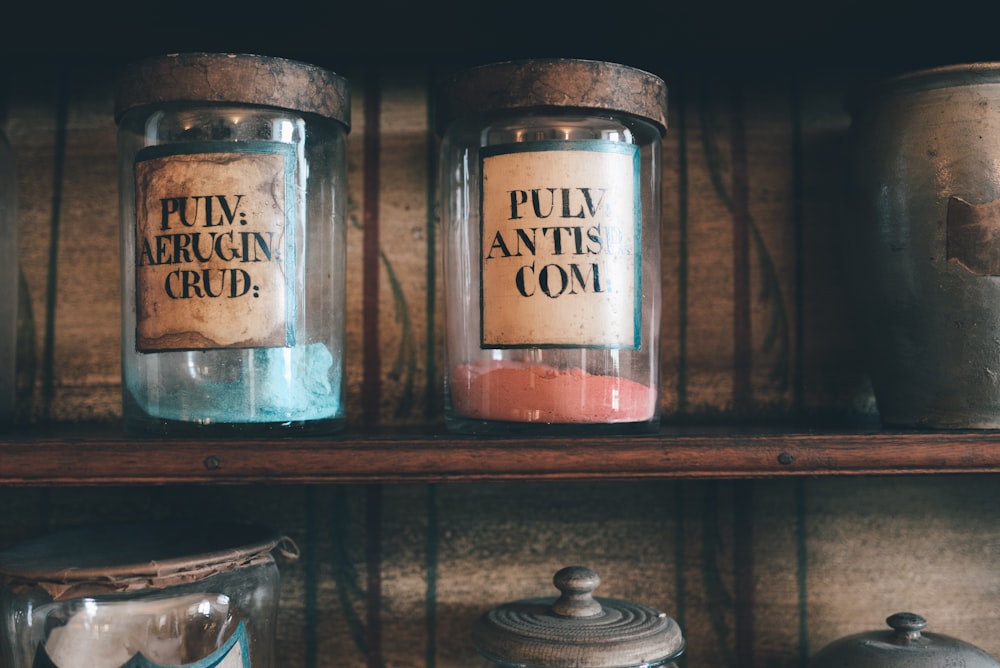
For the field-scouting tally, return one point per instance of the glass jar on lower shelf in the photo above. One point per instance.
(143, 596)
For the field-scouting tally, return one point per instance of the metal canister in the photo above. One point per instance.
(577, 630)
(142, 595)
(904, 645)
(922, 243)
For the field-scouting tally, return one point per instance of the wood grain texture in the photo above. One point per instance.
(406, 534)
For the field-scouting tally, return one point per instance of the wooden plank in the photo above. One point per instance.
(103, 457)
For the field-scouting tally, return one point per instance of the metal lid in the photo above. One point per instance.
(235, 78)
(577, 629)
(121, 558)
(870, 93)
(904, 645)
(584, 85)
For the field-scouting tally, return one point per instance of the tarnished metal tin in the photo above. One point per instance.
(921, 229)
(576, 629)
(904, 646)
(234, 79)
(548, 84)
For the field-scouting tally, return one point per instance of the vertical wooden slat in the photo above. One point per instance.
(709, 355)
(744, 576)
(52, 281)
(310, 567)
(371, 267)
(678, 256)
(431, 593)
(740, 215)
(373, 559)
(433, 387)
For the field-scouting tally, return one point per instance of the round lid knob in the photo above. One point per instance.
(577, 629)
(906, 645)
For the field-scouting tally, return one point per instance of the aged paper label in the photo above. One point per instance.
(213, 265)
(561, 239)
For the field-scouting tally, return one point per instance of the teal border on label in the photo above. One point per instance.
(288, 152)
(598, 146)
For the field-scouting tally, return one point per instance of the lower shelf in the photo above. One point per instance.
(102, 455)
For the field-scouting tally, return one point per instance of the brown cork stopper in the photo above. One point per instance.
(234, 78)
(555, 84)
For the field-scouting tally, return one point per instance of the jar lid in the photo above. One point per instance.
(577, 629)
(905, 645)
(585, 85)
(869, 93)
(98, 560)
(235, 78)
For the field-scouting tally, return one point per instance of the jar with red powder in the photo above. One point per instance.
(550, 203)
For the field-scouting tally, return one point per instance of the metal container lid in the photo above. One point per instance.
(557, 83)
(577, 629)
(870, 93)
(98, 560)
(903, 646)
(234, 78)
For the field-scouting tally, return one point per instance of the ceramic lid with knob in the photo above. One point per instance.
(577, 629)
(904, 644)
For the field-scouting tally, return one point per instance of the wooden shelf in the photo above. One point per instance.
(102, 455)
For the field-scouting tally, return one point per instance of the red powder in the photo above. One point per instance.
(519, 392)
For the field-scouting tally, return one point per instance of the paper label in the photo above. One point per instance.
(213, 265)
(561, 226)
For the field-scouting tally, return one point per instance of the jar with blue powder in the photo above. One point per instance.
(232, 171)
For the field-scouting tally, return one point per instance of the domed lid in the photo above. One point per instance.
(577, 629)
(904, 646)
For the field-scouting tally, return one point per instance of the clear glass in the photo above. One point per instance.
(9, 281)
(297, 385)
(547, 388)
(226, 619)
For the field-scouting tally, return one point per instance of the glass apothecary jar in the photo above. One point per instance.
(142, 596)
(577, 629)
(550, 203)
(233, 204)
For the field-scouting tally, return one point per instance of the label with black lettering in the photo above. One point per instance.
(214, 247)
(561, 231)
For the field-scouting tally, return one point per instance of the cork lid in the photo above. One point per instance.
(99, 560)
(582, 85)
(577, 629)
(236, 78)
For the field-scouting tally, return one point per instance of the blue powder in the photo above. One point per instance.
(293, 384)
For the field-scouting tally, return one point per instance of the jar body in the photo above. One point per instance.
(552, 272)
(233, 268)
(227, 619)
(9, 279)
(922, 207)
